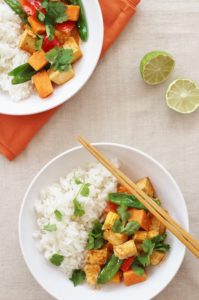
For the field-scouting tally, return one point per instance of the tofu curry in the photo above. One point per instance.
(52, 34)
(125, 241)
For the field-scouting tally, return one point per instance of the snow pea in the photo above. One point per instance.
(16, 7)
(82, 24)
(110, 269)
(125, 200)
(22, 73)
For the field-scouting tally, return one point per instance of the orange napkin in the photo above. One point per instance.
(17, 131)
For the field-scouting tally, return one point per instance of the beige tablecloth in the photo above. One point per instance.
(117, 106)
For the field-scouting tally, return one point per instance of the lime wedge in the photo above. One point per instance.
(183, 96)
(156, 66)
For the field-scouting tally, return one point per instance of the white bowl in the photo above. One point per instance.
(83, 70)
(135, 164)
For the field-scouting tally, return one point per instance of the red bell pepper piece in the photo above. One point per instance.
(31, 7)
(67, 26)
(127, 264)
(110, 207)
(48, 44)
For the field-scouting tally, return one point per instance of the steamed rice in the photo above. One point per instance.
(71, 235)
(10, 55)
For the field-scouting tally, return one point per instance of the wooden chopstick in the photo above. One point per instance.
(155, 209)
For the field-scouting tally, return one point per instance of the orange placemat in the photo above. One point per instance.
(17, 131)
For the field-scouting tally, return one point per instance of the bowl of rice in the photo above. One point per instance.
(54, 189)
(21, 99)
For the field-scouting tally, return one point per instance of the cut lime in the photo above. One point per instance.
(156, 66)
(183, 96)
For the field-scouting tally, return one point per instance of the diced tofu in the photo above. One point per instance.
(110, 220)
(117, 278)
(152, 234)
(36, 26)
(27, 41)
(97, 257)
(130, 277)
(125, 250)
(43, 84)
(115, 238)
(72, 12)
(59, 77)
(92, 272)
(156, 257)
(141, 217)
(146, 186)
(71, 44)
(38, 60)
(140, 236)
(157, 225)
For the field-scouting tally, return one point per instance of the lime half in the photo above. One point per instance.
(156, 66)
(183, 96)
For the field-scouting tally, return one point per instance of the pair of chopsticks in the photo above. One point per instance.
(156, 210)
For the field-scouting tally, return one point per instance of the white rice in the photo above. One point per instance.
(71, 235)
(10, 55)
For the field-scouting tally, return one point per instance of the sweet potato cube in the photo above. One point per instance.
(43, 84)
(156, 257)
(97, 257)
(38, 60)
(59, 77)
(117, 278)
(141, 217)
(156, 225)
(72, 12)
(36, 26)
(146, 186)
(125, 250)
(115, 238)
(130, 277)
(72, 44)
(27, 41)
(92, 272)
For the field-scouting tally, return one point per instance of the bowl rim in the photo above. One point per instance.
(73, 149)
(55, 104)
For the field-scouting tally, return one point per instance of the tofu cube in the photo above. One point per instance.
(156, 257)
(146, 186)
(92, 272)
(71, 44)
(38, 60)
(140, 236)
(156, 225)
(141, 217)
(152, 234)
(36, 26)
(72, 12)
(59, 77)
(97, 257)
(125, 250)
(43, 84)
(27, 41)
(110, 220)
(115, 238)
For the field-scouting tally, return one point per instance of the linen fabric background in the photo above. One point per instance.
(117, 106)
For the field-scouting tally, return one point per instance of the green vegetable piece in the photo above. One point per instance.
(39, 42)
(144, 258)
(137, 268)
(22, 73)
(82, 24)
(130, 228)
(17, 8)
(95, 237)
(78, 277)
(50, 227)
(125, 200)
(56, 259)
(59, 58)
(58, 215)
(85, 190)
(159, 243)
(50, 30)
(123, 213)
(110, 269)
(78, 208)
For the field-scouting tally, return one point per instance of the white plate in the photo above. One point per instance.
(83, 70)
(134, 163)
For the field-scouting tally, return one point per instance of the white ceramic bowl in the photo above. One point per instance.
(135, 164)
(83, 70)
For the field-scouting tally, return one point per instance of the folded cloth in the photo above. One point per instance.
(17, 131)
